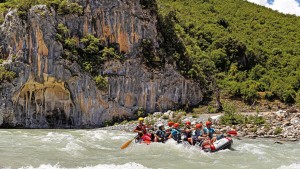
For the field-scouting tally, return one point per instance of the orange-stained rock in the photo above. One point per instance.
(42, 48)
(123, 42)
(129, 100)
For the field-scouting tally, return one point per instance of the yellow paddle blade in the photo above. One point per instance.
(126, 144)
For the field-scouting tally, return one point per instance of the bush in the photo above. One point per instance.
(91, 44)
(211, 109)
(6, 75)
(150, 5)
(231, 117)
(62, 29)
(146, 51)
(257, 120)
(165, 117)
(109, 53)
(66, 7)
(278, 130)
(71, 43)
(101, 82)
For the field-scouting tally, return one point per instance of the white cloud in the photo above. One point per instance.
(284, 6)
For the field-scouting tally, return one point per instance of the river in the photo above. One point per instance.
(91, 149)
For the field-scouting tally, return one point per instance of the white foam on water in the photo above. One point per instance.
(56, 137)
(73, 149)
(254, 149)
(292, 166)
(96, 135)
(130, 165)
(72, 146)
(120, 137)
(170, 146)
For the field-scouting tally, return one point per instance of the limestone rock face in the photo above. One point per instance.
(51, 92)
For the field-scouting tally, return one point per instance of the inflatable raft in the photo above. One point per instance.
(221, 144)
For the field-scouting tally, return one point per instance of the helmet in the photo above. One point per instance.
(188, 123)
(198, 126)
(176, 125)
(160, 125)
(170, 124)
(141, 119)
(208, 123)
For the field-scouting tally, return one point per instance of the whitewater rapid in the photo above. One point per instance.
(100, 149)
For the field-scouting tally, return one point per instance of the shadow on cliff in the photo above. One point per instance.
(173, 51)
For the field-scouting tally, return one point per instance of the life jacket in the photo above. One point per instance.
(197, 133)
(161, 133)
(176, 134)
(187, 130)
(146, 137)
(141, 127)
(210, 132)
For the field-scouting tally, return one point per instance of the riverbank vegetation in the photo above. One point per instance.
(250, 51)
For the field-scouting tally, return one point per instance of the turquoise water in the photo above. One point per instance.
(56, 149)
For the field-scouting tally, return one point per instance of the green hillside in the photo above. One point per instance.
(247, 49)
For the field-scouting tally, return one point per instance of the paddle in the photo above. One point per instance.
(125, 145)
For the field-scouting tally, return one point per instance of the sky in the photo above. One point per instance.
(284, 6)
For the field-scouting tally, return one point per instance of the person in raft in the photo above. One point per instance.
(170, 124)
(141, 129)
(160, 134)
(197, 135)
(187, 131)
(176, 133)
(211, 132)
(168, 132)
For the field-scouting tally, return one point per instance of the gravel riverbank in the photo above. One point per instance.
(283, 125)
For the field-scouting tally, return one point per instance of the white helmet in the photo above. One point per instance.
(160, 125)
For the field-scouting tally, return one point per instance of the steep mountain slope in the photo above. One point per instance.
(252, 50)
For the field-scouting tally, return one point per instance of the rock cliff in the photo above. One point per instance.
(52, 92)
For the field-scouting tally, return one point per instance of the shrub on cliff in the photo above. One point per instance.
(66, 7)
(6, 75)
(62, 32)
(151, 5)
(91, 44)
(101, 82)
